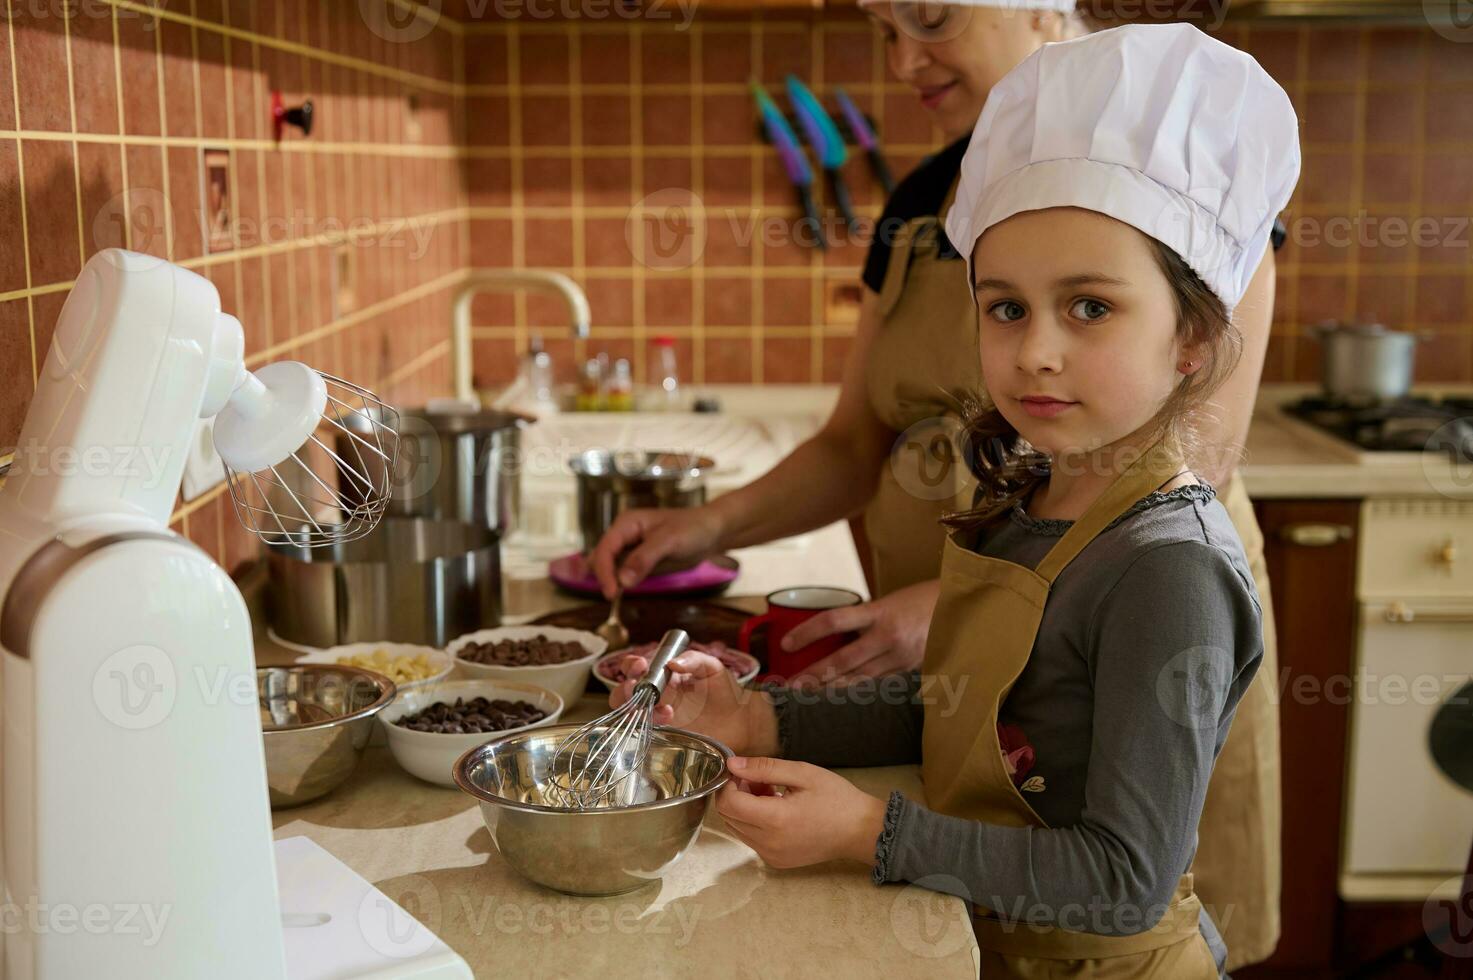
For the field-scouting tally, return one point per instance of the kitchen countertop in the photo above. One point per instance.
(719, 911)
(1287, 457)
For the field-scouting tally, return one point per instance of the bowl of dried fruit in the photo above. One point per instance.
(430, 727)
(553, 657)
(409, 665)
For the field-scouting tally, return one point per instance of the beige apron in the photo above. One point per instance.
(926, 346)
(962, 760)
(924, 351)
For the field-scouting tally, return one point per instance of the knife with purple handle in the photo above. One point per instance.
(865, 137)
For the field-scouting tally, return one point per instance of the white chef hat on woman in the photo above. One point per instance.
(1157, 125)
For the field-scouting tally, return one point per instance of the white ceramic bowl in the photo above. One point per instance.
(568, 681)
(442, 661)
(431, 756)
(742, 677)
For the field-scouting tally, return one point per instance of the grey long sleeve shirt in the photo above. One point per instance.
(1148, 641)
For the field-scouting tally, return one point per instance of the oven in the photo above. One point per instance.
(1408, 827)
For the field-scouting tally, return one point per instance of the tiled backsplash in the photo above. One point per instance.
(583, 147)
(106, 114)
(570, 125)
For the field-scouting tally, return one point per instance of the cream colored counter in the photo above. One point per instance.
(1287, 457)
(719, 913)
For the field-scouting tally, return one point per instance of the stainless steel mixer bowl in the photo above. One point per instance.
(412, 580)
(593, 852)
(316, 720)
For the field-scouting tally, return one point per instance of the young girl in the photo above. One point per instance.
(1116, 197)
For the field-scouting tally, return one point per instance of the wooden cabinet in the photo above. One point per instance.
(1310, 549)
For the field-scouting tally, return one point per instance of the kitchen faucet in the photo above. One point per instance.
(507, 280)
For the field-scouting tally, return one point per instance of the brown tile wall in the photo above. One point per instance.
(105, 113)
(571, 125)
(588, 147)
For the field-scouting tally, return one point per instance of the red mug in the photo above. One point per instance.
(786, 608)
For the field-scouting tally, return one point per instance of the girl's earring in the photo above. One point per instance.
(1187, 367)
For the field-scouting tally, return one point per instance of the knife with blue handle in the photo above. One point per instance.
(827, 144)
(793, 160)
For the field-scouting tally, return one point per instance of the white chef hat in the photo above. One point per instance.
(1156, 125)
(1063, 6)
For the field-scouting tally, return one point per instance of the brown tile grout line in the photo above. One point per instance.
(819, 264)
(1357, 171)
(313, 266)
(268, 308)
(462, 110)
(415, 151)
(637, 192)
(209, 260)
(150, 9)
(1419, 156)
(492, 89)
(575, 127)
(228, 45)
(71, 96)
(292, 330)
(698, 186)
(20, 170)
(358, 316)
(759, 278)
(158, 57)
(627, 331)
(518, 176)
(122, 129)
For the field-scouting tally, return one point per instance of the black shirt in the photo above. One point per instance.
(921, 193)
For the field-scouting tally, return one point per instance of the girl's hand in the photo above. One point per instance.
(701, 695)
(892, 636)
(653, 533)
(821, 817)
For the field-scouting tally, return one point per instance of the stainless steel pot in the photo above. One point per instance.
(1365, 362)
(455, 465)
(409, 581)
(613, 481)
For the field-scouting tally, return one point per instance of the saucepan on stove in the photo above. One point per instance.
(1365, 362)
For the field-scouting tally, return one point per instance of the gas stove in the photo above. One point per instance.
(1411, 424)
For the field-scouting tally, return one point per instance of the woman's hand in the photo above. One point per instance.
(821, 817)
(892, 636)
(702, 696)
(653, 533)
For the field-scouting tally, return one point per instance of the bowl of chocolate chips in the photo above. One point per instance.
(428, 728)
(553, 657)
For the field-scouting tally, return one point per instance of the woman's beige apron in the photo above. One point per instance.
(925, 350)
(962, 759)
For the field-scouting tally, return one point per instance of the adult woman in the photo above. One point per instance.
(914, 346)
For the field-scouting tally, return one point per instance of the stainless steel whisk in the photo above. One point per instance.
(597, 760)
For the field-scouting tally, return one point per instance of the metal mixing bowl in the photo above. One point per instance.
(316, 720)
(594, 852)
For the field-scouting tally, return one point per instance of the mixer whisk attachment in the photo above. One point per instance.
(593, 766)
(309, 457)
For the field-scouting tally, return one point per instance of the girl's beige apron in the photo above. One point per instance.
(962, 760)
(926, 349)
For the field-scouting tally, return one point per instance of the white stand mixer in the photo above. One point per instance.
(137, 834)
